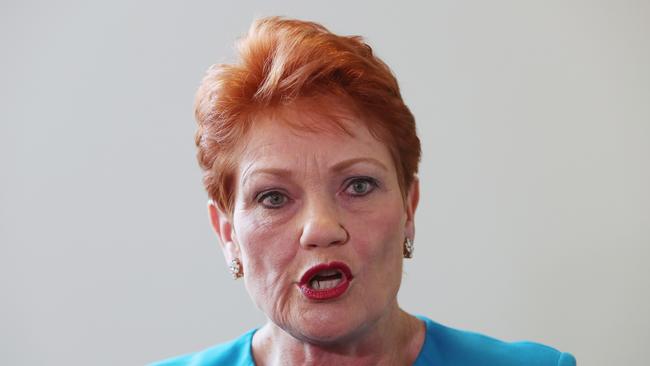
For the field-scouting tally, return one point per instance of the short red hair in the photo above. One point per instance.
(280, 61)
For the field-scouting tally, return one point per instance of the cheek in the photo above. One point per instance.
(266, 255)
(379, 234)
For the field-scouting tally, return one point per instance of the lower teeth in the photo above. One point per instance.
(324, 285)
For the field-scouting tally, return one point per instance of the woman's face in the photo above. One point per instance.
(305, 199)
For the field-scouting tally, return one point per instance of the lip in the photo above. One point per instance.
(330, 293)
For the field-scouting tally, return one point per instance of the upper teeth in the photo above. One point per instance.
(328, 272)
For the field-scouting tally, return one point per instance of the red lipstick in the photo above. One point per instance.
(325, 281)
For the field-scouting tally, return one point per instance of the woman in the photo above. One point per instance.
(310, 158)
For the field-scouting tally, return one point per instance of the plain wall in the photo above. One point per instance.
(534, 221)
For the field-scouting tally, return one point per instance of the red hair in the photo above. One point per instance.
(280, 61)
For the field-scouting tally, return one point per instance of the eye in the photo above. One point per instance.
(272, 199)
(360, 186)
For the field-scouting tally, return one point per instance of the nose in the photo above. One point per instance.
(322, 226)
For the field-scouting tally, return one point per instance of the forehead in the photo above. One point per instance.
(298, 137)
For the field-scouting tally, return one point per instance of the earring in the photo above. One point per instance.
(235, 269)
(408, 248)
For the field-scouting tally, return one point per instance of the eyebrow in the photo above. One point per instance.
(348, 163)
(338, 167)
(282, 173)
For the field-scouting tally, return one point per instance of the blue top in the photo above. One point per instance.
(443, 346)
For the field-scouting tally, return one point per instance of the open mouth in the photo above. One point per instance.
(326, 281)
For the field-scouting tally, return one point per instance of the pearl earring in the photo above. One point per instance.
(408, 248)
(235, 269)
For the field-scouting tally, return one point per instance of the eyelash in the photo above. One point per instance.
(371, 181)
(373, 184)
(264, 195)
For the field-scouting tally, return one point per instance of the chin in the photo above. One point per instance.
(328, 324)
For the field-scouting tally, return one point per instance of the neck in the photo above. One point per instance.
(395, 339)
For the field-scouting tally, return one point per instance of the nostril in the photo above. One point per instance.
(317, 234)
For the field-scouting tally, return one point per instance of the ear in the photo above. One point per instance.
(412, 200)
(222, 226)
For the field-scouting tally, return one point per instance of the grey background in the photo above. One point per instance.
(535, 214)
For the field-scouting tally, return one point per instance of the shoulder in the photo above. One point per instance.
(236, 352)
(450, 346)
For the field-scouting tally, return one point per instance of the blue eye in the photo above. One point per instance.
(361, 186)
(272, 199)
